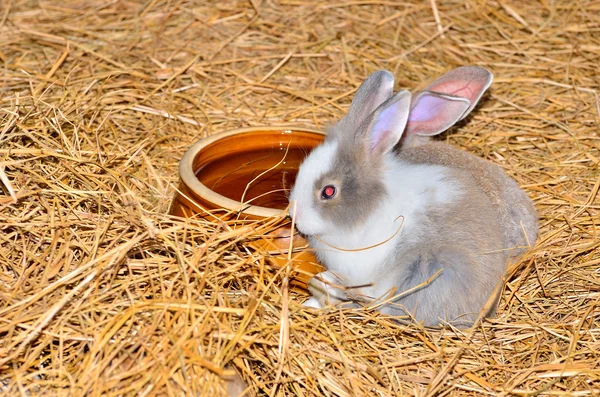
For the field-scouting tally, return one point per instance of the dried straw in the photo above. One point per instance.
(103, 294)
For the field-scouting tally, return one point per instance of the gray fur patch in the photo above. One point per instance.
(511, 205)
(359, 189)
(465, 242)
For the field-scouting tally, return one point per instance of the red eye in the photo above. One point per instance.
(328, 192)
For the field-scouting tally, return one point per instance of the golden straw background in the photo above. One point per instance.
(101, 293)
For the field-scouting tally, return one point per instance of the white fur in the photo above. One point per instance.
(412, 190)
(313, 302)
(314, 166)
(323, 288)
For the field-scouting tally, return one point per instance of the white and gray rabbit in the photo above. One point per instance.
(457, 215)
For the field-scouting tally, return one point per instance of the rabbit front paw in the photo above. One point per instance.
(313, 302)
(325, 290)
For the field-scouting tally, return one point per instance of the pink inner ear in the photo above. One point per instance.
(386, 120)
(468, 82)
(389, 125)
(377, 142)
(427, 107)
(470, 89)
(433, 114)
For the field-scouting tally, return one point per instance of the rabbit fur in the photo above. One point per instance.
(413, 226)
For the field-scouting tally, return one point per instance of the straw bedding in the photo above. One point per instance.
(102, 293)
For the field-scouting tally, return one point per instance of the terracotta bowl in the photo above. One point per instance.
(257, 166)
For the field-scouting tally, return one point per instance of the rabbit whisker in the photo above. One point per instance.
(369, 247)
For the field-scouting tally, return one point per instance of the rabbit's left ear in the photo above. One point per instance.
(447, 100)
(375, 90)
(387, 125)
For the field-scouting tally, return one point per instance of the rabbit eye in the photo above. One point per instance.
(328, 192)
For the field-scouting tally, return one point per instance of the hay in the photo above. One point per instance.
(101, 293)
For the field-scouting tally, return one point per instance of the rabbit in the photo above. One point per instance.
(414, 227)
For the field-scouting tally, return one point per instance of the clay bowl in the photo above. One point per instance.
(220, 171)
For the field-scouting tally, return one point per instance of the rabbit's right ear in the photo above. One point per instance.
(375, 90)
(447, 100)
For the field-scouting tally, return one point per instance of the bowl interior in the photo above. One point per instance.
(257, 167)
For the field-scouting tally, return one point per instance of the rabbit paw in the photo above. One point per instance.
(324, 291)
(313, 302)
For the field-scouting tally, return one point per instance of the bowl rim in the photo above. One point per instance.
(188, 177)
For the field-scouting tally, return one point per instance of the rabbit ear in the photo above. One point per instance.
(447, 100)
(434, 113)
(469, 82)
(387, 125)
(375, 90)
